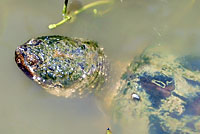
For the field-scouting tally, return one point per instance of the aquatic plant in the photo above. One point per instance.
(70, 16)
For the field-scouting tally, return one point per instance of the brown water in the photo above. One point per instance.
(25, 108)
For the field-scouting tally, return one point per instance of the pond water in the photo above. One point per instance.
(124, 32)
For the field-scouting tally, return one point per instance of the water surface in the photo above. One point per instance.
(123, 32)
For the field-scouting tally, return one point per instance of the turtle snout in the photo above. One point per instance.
(20, 61)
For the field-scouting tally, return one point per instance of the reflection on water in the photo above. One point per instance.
(123, 32)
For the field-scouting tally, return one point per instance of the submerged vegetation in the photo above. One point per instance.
(70, 16)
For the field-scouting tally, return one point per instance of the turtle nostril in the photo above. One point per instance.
(18, 60)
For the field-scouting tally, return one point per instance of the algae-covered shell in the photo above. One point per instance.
(163, 88)
(64, 66)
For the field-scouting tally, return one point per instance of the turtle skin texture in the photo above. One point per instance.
(63, 66)
(162, 88)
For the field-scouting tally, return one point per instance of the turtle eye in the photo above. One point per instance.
(135, 97)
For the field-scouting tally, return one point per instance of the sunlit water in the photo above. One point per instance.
(25, 108)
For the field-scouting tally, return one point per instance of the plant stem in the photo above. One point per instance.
(67, 18)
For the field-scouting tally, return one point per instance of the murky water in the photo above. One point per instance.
(123, 32)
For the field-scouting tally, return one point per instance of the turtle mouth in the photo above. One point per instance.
(20, 61)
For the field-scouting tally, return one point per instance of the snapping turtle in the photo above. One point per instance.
(63, 66)
(158, 87)
(162, 89)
